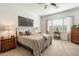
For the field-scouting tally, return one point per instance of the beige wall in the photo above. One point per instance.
(9, 15)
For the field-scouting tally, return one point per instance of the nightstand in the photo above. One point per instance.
(57, 35)
(7, 43)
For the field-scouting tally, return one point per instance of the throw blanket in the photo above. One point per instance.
(44, 37)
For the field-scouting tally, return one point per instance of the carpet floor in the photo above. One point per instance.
(58, 48)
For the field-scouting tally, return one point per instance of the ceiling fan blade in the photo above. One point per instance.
(54, 5)
(45, 5)
(40, 3)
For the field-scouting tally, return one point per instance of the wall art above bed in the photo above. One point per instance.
(23, 21)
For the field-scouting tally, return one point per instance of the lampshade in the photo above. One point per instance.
(7, 30)
(7, 27)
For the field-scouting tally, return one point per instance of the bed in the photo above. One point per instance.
(37, 42)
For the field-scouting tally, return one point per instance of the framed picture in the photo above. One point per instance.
(22, 21)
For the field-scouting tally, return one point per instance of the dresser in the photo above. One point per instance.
(75, 35)
(7, 43)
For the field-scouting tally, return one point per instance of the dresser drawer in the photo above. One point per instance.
(75, 41)
(73, 35)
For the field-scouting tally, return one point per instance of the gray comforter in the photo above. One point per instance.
(36, 42)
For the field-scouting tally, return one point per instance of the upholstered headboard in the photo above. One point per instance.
(23, 29)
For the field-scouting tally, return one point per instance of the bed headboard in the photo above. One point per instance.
(23, 29)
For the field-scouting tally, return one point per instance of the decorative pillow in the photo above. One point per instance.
(27, 32)
(21, 33)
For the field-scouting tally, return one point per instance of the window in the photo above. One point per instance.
(68, 22)
(62, 24)
(58, 22)
(50, 25)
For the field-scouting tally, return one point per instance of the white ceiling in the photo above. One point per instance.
(39, 8)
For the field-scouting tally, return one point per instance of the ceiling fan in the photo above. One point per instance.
(52, 4)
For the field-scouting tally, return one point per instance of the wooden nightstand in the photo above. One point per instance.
(7, 43)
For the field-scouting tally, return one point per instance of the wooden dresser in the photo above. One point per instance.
(7, 43)
(75, 35)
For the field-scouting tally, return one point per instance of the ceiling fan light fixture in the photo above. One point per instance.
(47, 4)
